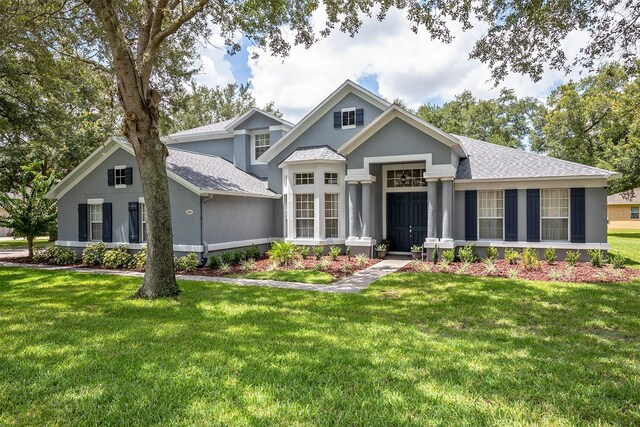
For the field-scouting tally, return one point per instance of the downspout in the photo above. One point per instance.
(205, 251)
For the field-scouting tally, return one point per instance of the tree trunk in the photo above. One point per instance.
(30, 245)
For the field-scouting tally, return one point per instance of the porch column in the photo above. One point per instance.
(432, 212)
(353, 215)
(447, 208)
(366, 209)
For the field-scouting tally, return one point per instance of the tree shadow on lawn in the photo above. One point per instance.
(413, 349)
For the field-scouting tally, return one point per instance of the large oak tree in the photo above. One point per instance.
(149, 45)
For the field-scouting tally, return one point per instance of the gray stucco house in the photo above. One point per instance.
(354, 171)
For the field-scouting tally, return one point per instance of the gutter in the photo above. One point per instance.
(205, 249)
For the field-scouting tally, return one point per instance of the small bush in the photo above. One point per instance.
(555, 275)
(361, 260)
(238, 256)
(572, 258)
(491, 253)
(304, 251)
(346, 267)
(334, 252)
(468, 254)
(298, 265)
(348, 253)
(435, 254)
(248, 264)
(253, 252)
(188, 263)
(512, 273)
(140, 259)
(595, 257)
(616, 260)
(282, 253)
(93, 254)
(55, 255)
(322, 265)
(550, 255)
(117, 258)
(318, 250)
(227, 257)
(448, 256)
(40, 255)
(489, 266)
(529, 258)
(214, 262)
(512, 256)
(225, 267)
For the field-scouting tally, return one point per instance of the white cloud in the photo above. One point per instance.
(215, 69)
(407, 65)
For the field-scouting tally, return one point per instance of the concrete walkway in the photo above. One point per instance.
(13, 253)
(348, 285)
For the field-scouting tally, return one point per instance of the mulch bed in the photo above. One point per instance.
(559, 271)
(336, 269)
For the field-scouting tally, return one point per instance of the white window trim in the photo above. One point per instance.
(346, 110)
(568, 217)
(295, 178)
(489, 217)
(94, 202)
(295, 213)
(116, 168)
(143, 221)
(324, 213)
(324, 178)
(255, 161)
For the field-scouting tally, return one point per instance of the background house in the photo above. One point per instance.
(623, 210)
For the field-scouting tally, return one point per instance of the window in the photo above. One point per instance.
(348, 118)
(119, 176)
(635, 212)
(261, 143)
(304, 215)
(331, 215)
(95, 220)
(554, 214)
(304, 178)
(490, 215)
(143, 222)
(330, 178)
(400, 178)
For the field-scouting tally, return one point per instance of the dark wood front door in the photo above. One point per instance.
(406, 220)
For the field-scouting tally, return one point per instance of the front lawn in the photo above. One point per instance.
(302, 276)
(627, 244)
(413, 349)
(41, 242)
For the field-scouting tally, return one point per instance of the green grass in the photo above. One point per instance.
(302, 276)
(626, 243)
(42, 242)
(413, 349)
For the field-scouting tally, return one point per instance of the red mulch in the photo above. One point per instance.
(559, 271)
(335, 268)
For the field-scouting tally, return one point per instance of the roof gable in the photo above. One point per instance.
(630, 197)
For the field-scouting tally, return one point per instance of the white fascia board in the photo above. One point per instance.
(250, 113)
(396, 112)
(531, 182)
(194, 137)
(238, 194)
(324, 107)
(308, 162)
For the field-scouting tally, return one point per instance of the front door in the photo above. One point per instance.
(406, 220)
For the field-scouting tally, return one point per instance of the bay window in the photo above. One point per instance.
(305, 209)
(554, 214)
(491, 215)
(331, 215)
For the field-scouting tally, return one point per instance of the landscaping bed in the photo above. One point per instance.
(560, 271)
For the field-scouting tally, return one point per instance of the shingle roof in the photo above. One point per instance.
(314, 153)
(212, 127)
(212, 173)
(492, 161)
(625, 198)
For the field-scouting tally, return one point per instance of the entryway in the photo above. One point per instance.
(406, 219)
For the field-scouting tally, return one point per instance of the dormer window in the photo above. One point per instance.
(260, 142)
(348, 118)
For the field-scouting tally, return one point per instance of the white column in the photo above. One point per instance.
(366, 210)
(432, 212)
(353, 214)
(447, 208)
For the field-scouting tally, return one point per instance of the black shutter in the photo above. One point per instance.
(359, 116)
(134, 222)
(471, 215)
(111, 181)
(106, 223)
(533, 215)
(83, 230)
(128, 176)
(337, 119)
(578, 220)
(511, 215)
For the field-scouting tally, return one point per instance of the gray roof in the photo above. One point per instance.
(492, 161)
(631, 197)
(212, 127)
(212, 173)
(314, 153)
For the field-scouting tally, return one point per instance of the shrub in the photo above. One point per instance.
(595, 257)
(512, 256)
(55, 255)
(334, 252)
(117, 258)
(253, 252)
(416, 248)
(572, 258)
(304, 251)
(298, 265)
(616, 260)
(529, 258)
(228, 257)
(140, 258)
(435, 255)
(225, 267)
(93, 253)
(318, 250)
(468, 254)
(512, 273)
(282, 253)
(381, 247)
(550, 255)
(491, 253)
(188, 263)
(238, 256)
(322, 265)
(346, 267)
(40, 255)
(248, 265)
(348, 252)
(361, 260)
(214, 262)
(489, 266)
(555, 275)
(448, 256)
